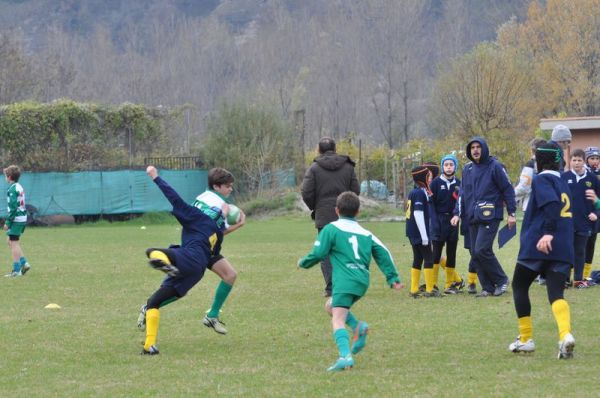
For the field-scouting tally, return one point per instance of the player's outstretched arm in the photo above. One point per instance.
(181, 209)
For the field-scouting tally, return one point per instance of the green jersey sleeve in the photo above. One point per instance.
(384, 261)
(320, 250)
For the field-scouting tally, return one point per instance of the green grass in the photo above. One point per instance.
(279, 341)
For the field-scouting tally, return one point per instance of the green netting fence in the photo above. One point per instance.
(104, 192)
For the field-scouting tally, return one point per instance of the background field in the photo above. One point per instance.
(279, 341)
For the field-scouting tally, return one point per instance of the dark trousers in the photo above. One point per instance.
(590, 247)
(579, 242)
(438, 247)
(327, 271)
(489, 270)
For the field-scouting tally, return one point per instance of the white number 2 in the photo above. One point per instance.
(354, 242)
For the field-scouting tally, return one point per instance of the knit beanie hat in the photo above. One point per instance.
(433, 167)
(560, 132)
(591, 151)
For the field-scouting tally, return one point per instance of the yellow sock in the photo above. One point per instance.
(415, 276)
(152, 321)
(525, 328)
(457, 277)
(562, 314)
(157, 254)
(449, 277)
(428, 279)
(436, 274)
(472, 278)
(587, 270)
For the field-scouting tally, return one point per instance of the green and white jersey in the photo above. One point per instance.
(15, 196)
(350, 248)
(210, 203)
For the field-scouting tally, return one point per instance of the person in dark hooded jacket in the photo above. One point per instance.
(485, 189)
(329, 175)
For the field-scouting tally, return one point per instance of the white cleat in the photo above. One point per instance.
(526, 347)
(566, 347)
(215, 323)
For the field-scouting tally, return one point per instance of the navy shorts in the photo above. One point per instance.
(543, 266)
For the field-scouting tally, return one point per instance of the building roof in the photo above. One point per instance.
(573, 123)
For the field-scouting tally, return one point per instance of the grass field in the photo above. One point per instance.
(279, 341)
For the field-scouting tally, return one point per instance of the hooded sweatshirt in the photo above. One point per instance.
(487, 181)
(329, 175)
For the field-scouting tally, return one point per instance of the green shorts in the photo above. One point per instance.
(344, 300)
(16, 230)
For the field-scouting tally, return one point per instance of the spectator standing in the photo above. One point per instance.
(329, 175)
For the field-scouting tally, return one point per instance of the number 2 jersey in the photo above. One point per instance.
(548, 212)
(350, 248)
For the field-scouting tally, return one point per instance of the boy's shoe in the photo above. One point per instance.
(360, 337)
(501, 289)
(472, 288)
(214, 323)
(433, 293)
(26, 267)
(517, 346)
(458, 286)
(580, 285)
(141, 322)
(160, 265)
(541, 280)
(343, 363)
(590, 282)
(484, 293)
(422, 288)
(152, 351)
(415, 295)
(566, 347)
(451, 290)
(13, 274)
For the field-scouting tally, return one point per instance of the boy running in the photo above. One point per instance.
(350, 248)
(220, 186)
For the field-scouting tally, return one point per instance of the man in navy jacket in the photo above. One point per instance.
(485, 189)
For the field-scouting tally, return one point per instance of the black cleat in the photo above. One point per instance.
(160, 265)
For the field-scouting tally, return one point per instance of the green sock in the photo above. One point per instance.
(342, 340)
(16, 267)
(22, 260)
(351, 321)
(220, 296)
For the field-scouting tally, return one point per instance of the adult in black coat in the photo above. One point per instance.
(329, 175)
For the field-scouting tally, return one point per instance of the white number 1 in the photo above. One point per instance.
(354, 242)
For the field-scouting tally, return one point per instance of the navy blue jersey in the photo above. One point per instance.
(548, 191)
(200, 235)
(443, 201)
(581, 207)
(417, 201)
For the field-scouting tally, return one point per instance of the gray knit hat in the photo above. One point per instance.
(560, 132)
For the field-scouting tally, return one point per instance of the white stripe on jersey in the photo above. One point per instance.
(211, 199)
(351, 226)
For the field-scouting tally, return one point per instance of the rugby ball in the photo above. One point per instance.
(234, 215)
